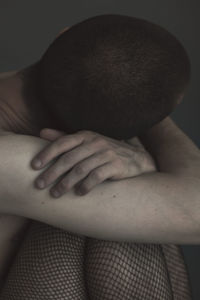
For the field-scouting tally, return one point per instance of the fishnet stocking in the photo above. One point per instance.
(54, 264)
(49, 265)
(126, 271)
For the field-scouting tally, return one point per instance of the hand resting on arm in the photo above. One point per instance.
(154, 207)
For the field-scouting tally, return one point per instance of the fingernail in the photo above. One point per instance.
(37, 163)
(55, 193)
(40, 183)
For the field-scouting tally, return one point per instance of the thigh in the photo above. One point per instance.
(126, 271)
(49, 265)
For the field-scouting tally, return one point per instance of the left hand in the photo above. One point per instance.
(88, 158)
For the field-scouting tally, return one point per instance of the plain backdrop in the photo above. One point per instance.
(28, 27)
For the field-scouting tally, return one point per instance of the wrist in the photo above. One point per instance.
(146, 163)
(143, 159)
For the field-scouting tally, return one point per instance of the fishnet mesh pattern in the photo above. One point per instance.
(126, 271)
(55, 264)
(49, 265)
(181, 285)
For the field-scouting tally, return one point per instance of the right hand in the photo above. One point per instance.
(89, 158)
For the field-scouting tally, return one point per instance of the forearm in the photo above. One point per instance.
(154, 207)
(173, 151)
(128, 210)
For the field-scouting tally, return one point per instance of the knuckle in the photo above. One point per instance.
(96, 175)
(79, 169)
(64, 185)
(60, 141)
(100, 142)
(64, 140)
(83, 135)
(110, 153)
(85, 132)
(118, 162)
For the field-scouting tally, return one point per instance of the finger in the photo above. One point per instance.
(79, 172)
(51, 151)
(95, 177)
(51, 134)
(64, 164)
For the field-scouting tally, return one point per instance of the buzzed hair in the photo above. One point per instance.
(113, 74)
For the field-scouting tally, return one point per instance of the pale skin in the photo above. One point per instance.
(165, 189)
(158, 212)
(134, 158)
(92, 157)
(164, 208)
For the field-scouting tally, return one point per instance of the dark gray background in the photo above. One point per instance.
(27, 27)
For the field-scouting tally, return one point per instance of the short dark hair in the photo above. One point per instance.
(113, 74)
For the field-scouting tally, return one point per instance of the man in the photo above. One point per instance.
(159, 212)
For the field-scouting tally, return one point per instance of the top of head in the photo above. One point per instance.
(113, 74)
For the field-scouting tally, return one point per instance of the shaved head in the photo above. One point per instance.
(113, 74)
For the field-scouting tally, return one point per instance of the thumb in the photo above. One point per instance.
(51, 134)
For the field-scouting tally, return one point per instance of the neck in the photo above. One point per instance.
(20, 111)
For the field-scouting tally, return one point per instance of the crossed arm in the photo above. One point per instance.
(158, 207)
